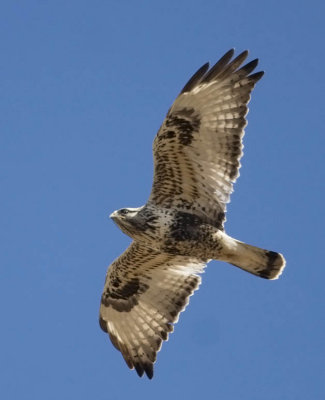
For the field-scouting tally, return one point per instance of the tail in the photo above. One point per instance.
(264, 263)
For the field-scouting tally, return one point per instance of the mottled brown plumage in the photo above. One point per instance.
(197, 154)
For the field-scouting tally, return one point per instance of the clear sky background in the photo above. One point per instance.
(84, 86)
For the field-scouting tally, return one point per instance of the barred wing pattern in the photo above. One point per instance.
(198, 148)
(143, 295)
(197, 154)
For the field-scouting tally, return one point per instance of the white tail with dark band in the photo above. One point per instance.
(260, 262)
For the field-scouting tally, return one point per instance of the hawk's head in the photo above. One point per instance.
(128, 220)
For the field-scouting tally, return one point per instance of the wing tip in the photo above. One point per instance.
(222, 68)
(256, 76)
(196, 78)
(142, 368)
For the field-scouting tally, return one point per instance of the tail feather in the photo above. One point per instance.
(264, 263)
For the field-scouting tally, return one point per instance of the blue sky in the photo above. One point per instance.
(84, 87)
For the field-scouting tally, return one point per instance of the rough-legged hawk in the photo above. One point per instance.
(197, 155)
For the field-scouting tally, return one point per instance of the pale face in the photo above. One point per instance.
(126, 219)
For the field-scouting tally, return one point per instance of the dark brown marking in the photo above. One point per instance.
(196, 78)
(186, 122)
(271, 266)
(220, 220)
(148, 368)
(167, 135)
(123, 299)
(185, 227)
(139, 368)
(116, 282)
(132, 287)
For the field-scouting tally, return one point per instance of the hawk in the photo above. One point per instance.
(197, 153)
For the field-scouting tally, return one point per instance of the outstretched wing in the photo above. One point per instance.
(198, 148)
(143, 295)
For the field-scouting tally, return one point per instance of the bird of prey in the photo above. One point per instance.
(197, 153)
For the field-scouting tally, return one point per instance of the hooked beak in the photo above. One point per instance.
(113, 215)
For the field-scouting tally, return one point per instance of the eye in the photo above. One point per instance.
(124, 211)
